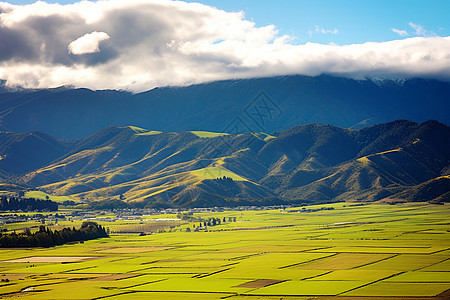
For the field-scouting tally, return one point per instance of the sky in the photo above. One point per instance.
(355, 21)
(140, 44)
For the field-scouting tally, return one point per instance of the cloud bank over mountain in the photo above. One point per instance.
(140, 44)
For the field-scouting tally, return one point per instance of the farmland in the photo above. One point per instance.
(349, 252)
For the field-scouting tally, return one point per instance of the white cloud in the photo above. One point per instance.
(318, 29)
(419, 30)
(161, 42)
(400, 32)
(88, 43)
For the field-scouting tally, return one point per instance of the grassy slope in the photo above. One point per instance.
(142, 131)
(216, 172)
(208, 134)
(43, 196)
(142, 188)
(166, 163)
(312, 162)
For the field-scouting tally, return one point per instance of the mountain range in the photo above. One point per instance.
(312, 163)
(233, 106)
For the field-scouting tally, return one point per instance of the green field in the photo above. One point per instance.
(351, 252)
(44, 196)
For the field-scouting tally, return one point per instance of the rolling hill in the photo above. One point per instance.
(263, 104)
(312, 163)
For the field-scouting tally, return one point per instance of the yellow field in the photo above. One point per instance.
(351, 252)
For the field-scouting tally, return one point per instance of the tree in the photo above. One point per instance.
(27, 204)
(45, 237)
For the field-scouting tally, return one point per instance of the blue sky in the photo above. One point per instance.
(341, 22)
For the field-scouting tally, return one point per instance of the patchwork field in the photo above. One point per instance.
(350, 252)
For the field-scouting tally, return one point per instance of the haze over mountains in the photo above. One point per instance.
(265, 104)
(312, 163)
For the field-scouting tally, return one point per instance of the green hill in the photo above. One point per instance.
(304, 164)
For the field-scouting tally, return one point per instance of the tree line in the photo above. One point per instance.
(217, 221)
(45, 237)
(27, 204)
(211, 222)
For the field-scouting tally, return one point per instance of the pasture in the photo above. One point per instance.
(351, 252)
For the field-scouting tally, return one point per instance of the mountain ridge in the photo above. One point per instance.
(214, 106)
(312, 163)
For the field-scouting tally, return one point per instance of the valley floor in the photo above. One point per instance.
(350, 252)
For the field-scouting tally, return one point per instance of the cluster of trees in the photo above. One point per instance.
(68, 203)
(311, 209)
(212, 222)
(217, 221)
(224, 179)
(188, 216)
(45, 237)
(26, 204)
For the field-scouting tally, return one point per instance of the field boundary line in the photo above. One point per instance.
(139, 284)
(184, 292)
(317, 275)
(439, 251)
(431, 265)
(256, 228)
(137, 270)
(305, 262)
(73, 270)
(246, 256)
(119, 294)
(307, 250)
(374, 262)
(370, 283)
(209, 274)
(34, 285)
